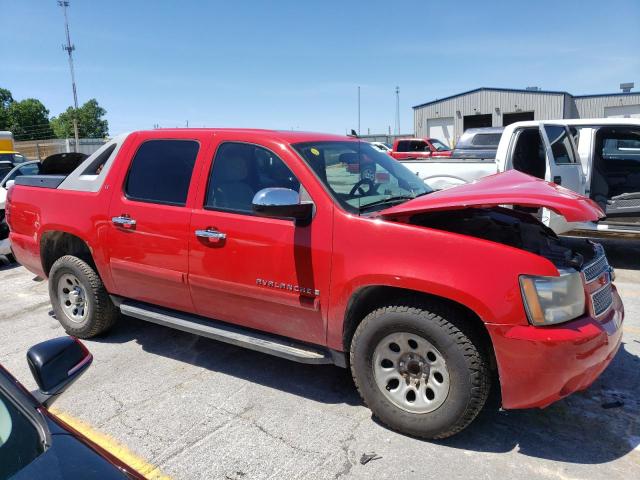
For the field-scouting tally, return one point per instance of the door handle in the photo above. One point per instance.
(557, 180)
(124, 221)
(212, 236)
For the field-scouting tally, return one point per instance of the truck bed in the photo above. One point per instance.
(445, 172)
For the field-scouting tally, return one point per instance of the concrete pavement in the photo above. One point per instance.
(197, 408)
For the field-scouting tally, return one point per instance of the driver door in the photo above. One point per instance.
(269, 274)
(563, 168)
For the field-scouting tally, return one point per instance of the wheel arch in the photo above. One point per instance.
(368, 298)
(58, 243)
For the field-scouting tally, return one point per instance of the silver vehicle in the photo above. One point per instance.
(478, 143)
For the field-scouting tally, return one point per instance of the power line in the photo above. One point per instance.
(69, 48)
(27, 128)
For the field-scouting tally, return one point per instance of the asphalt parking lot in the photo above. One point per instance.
(196, 408)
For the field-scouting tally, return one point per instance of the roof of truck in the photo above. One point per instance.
(289, 136)
(580, 122)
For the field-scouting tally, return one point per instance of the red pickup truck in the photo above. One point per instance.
(418, 148)
(274, 241)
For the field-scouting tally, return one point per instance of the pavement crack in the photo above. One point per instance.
(283, 440)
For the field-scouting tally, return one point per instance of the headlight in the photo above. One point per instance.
(551, 300)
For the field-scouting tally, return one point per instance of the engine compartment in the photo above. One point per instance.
(515, 228)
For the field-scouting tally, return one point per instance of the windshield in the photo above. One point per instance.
(439, 146)
(359, 176)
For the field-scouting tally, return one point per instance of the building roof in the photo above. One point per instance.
(519, 90)
(617, 94)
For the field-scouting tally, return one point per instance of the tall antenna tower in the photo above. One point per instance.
(398, 110)
(69, 48)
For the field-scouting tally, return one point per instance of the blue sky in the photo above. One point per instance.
(297, 64)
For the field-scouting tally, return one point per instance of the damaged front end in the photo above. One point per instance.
(584, 281)
(510, 227)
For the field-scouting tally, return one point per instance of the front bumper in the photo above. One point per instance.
(540, 365)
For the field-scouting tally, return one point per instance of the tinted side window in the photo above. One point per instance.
(486, 139)
(419, 146)
(161, 171)
(403, 146)
(560, 144)
(19, 440)
(239, 171)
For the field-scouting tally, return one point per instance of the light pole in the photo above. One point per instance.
(69, 48)
(358, 110)
(398, 110)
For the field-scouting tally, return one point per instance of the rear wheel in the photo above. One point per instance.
(79, 299)
(418, 371)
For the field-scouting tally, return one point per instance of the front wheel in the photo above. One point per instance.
(80, 301)
(418, 371)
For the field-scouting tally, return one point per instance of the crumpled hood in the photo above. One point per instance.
(508, 188)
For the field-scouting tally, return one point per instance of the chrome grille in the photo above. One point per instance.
(597, 266)
(601, 300)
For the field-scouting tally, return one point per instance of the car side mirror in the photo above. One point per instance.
(55, 364)
(283, 203)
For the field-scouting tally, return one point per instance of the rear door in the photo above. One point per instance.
(147, 238)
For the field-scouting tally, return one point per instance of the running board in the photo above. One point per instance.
(233, 334)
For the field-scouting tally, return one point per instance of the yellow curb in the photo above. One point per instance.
(112, 446)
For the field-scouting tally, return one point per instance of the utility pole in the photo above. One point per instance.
(358, 110)
(398, 110)
(69, 48)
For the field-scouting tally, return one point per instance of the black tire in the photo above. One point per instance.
(463, 351)
(101, 312)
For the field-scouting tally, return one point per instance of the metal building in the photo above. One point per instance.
(447, 118)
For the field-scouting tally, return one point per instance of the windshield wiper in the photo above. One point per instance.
(382, 201)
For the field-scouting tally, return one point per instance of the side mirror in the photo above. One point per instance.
(55, 364)
(283, 203)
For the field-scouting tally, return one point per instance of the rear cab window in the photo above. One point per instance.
(486, 140)
(161, 170)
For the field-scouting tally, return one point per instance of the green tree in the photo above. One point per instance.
(6, 99)
(29, 120)
(91, 123)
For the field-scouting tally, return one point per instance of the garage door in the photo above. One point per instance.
(441, 128)
(626, 111)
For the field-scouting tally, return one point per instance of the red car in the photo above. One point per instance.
(419, 148)
(321, 249)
